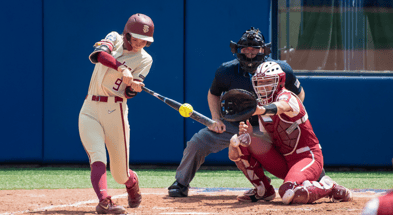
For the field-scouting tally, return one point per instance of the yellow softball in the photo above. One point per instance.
(186, 110)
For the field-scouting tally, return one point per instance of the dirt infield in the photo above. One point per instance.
(157, 201)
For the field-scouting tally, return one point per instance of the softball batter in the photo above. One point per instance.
(121, 65)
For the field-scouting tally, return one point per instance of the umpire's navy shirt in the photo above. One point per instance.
(230, 76)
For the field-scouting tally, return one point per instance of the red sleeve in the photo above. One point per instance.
(108, 60)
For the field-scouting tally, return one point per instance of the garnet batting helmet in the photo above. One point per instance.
(139, 26)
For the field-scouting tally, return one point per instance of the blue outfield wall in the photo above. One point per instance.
(44, 85)
(351, 119)
(21, 81)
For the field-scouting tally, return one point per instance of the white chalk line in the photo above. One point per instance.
(73, 205)
(187, 213)
(361, 195)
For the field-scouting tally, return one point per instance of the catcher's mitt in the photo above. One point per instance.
(237, 105)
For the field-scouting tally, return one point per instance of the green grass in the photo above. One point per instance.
(71, 178)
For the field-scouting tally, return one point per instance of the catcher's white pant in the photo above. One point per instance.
(103, 121)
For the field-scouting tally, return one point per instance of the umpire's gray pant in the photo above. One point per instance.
(201, 145)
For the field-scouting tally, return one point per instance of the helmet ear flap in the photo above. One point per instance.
(283, 82)
(267, 49)
(128, 37)
(127, 41)
(233, 47)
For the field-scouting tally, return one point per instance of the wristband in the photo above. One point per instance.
(270, 109)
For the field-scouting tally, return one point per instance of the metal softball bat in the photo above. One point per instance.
(176, 105)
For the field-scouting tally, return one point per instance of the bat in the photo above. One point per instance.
(176, 105)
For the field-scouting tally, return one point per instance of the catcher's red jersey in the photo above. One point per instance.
(291, 130)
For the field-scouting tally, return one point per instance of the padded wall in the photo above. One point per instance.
(351, 118)
(21, 81)
(46, 74)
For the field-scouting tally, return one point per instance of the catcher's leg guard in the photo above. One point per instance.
(287, 192)
(339, 193)
(309, 192)
(254, 172)
(234, 152)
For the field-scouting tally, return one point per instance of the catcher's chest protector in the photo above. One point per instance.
(285, 131)
(284, 141)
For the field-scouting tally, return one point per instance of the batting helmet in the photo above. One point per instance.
(268, 80)
(139, 26)
(251, 38)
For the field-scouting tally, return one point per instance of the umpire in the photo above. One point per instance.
(250, 51)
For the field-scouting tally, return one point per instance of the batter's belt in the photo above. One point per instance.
(104, 98)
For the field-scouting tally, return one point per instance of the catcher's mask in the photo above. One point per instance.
(139, 26)
(268, 80)
(251, 38)
(237, 105)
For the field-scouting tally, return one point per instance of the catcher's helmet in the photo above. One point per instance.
(139, 26)
(268, 80)
(251, 38)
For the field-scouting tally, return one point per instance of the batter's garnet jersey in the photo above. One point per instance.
(290, 130)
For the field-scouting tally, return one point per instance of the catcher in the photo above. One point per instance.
(250, 51)
(284, 119)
